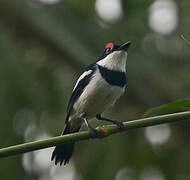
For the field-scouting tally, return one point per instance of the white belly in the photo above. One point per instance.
(96, 98)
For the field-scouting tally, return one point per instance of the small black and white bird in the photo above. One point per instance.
(101, 84)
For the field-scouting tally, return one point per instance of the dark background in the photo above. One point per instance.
(44, 46)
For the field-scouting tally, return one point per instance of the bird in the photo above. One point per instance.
(98, 88)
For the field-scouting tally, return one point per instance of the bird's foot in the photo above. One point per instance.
(97, 133)
(120, 125)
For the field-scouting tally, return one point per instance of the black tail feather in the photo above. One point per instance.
(63, 153)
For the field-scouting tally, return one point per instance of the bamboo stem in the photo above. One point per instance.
(84, 135)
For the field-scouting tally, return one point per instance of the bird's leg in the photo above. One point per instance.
(93, 131)
(119, 124)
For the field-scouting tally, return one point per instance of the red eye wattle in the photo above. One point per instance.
(109, 46)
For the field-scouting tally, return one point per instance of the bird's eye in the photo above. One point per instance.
(108, 50)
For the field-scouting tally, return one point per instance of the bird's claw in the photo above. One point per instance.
(120, 125)
(96, 133)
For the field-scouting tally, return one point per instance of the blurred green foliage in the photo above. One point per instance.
(44, 48)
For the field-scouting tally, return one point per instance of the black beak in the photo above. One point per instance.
(125, 46)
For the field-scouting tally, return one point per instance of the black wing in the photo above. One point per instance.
(80, 88)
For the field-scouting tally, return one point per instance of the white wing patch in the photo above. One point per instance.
(86, 73)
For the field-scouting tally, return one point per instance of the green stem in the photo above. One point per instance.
(185, 40)
(84, 135)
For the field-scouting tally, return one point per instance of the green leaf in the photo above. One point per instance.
(177, 106)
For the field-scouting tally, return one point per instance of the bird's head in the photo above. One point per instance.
(114, 56)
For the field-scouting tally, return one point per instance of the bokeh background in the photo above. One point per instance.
(44, 46)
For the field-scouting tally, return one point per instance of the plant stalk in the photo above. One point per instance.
(85, 135)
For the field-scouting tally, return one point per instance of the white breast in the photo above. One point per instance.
(96, 97)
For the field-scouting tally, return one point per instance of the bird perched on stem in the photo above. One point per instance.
(100, 85)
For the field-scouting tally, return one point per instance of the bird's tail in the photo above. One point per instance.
(63, 153)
